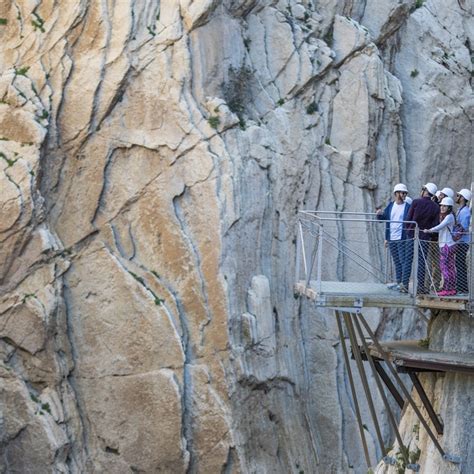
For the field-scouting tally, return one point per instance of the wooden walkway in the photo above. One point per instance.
(409, 354)
(338, 294)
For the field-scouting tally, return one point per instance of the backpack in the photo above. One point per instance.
(458, 230)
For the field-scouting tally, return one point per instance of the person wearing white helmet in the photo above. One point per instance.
(447, 247)
(463, 218)
(446, 192)
(395, 235)
(433, 250)
(425, 213)
(436, 198)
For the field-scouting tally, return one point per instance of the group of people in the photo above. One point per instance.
(437, 221)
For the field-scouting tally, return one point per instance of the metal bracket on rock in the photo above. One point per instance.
(358, 302)
(452, 458)
(321, 300)
(389, 460)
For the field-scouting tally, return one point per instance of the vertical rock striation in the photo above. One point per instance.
(153, 157)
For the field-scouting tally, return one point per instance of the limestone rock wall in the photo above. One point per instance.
(450, 394)
(153, 157)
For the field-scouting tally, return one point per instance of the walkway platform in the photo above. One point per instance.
(409, 355)
(338, 294)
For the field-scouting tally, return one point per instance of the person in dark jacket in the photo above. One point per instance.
(396, 234)
(425, 213)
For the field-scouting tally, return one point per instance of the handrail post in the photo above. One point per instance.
(471, 276)
(299, 235)
(320, 259)
(416, 244)
(303, 253)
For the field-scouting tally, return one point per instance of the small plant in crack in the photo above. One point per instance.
(419, 3)
(401, 457)
(3, 21)
(280, 102)
(414, 456)
(34, 398)
(214, 121)
(159, 301)
(27, 296)
(44, 115)
(138, 278)
(38, 23)
(414, 73)
(424, 342)
(327, 141)
(329, 37)
(42, 408)
(237, 89)
(312, 108)
(21, 71)
(9, 162)
(151, 30)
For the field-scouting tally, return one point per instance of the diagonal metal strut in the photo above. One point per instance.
(402, 385)
(353, 390)
(391, 417)
(364, 381)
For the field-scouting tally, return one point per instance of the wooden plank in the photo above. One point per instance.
(347, 294)
(410, 354)
(441, 303)
(336, 294)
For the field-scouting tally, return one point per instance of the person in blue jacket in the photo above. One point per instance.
(396, 236)
(463, 217)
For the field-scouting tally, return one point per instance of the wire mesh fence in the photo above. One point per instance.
(445, 270)
(352, 248)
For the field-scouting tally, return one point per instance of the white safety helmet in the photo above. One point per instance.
(408, 200)
(431, 187)
(448, 192)
(400, 187)
(466, 194)
(447, 201)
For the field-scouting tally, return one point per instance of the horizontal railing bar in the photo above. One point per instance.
(365, 220)
(337, 212)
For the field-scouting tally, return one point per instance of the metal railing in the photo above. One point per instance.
(350, 247)
(445, 270)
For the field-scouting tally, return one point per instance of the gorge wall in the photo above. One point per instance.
(153, 157)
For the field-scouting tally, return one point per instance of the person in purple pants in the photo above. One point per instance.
(447, 247)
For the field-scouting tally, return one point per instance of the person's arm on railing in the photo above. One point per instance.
(444, 223)
(382, 215)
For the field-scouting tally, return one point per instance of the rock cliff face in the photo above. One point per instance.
(451, 396)
(153, 156)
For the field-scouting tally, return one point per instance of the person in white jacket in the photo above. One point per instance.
(447, 247)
